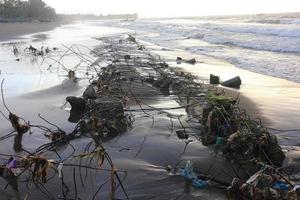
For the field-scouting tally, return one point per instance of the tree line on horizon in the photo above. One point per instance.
(26, 10)
(30, 10)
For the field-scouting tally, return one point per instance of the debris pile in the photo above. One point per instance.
(241, 139)
(42, 51)
(105, 115)
(267, 183)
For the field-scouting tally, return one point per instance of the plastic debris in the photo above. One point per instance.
(279, 185)
(59, 169)
(296, 187)
(12, 163)
(241, 139)
(264, 184)
(198, 183)
(219, 140)
(188, 173)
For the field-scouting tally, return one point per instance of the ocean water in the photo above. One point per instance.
(266, 44)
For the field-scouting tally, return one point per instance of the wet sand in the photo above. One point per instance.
(12, 31)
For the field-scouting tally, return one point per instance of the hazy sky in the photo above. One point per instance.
(166, 8)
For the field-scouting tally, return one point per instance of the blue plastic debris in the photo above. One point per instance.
(279, 185)
(188, 171)
(189, 174)
(198, 183)
(219, 140)
(11, 163)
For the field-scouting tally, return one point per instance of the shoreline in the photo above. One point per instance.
(266, 97)
(12, 31)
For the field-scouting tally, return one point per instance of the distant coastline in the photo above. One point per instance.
(13, 29)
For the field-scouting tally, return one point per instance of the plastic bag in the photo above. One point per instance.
(188, 173)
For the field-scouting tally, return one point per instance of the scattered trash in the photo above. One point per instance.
(11, 163)
(220, 140)
(279, 185)
(264, 184)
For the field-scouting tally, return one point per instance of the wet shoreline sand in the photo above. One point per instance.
(13, 31)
